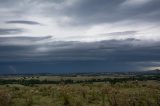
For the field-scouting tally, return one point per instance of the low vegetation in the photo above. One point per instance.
(93, 92)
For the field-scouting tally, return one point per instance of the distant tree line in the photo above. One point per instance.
(29, 82)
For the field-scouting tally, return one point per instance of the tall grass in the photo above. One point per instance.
(121, 94)
(5, 98)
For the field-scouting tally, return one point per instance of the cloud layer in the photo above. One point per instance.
(4, 31)
(108, 55)
(82, 35)
(23, 22)
(61, 17)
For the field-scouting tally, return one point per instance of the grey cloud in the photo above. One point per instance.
(23, 22)
(4, 31)
(8, 2)
(22, 41)
(123, 33)
(129, 50)
(111, 53)
(90, 12)
(93, 12)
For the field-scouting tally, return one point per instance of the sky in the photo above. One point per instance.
(62, 36)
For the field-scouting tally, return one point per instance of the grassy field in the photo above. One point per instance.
(130, 93)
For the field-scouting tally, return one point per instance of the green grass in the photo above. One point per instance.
(146, 93)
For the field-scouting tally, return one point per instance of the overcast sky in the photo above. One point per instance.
(79, 35)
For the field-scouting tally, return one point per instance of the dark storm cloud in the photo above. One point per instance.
(23, 22)
(105, 54)
(4, 31)
(129, 50)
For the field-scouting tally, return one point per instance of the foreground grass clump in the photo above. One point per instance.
(5, 98)
(95, 94)
(142, 97)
